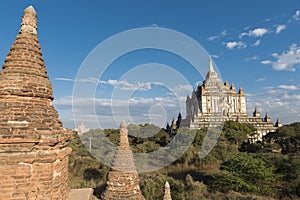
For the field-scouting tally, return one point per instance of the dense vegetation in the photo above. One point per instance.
(234, 169)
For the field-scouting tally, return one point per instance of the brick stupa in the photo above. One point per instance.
(33, 143)
(123, 179)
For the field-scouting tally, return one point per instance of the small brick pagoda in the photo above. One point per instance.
(33, 143)
(123, 179)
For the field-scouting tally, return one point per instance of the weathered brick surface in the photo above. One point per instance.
(123, 179)
(33, 144)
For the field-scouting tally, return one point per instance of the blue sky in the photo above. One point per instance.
(255, 44)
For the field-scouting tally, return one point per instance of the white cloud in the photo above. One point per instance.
(239, 45)
(214, 56)
(110, 111)
(274, 89)
(243, 34)
(182, 90)
(296, 16)
(212, 38)
(63, 79)
(288, 59)
(158, 110)
(258, 32)
(254, 57)
(266, 62)
(291, 97)
(280, 28)
(260, 79)
(185, 88)
(282, 103)
(223, 33)
(220, 35)
(256, 43)
(124, 85)
(246, 28)
(154, 25)
(288, 87)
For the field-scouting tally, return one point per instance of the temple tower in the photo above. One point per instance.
(123, 179)
(33, 143)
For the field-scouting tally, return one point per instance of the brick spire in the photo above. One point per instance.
(167, 195)
(33, 142)
(26, 93)
(24, 72)
(123, 179)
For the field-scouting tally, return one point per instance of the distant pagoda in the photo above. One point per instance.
(123, 179)
(33, 143)
(215, 102)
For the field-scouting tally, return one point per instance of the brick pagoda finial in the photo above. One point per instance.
(29, 21)
(24, 71)
(123, 179)
(167, 195)
(33, 143)
(124, 144)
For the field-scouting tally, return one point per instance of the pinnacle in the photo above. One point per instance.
(278, 120)
(167, 185)
(123, 125)
(124, 144)
(241, 91)
(29, 21)
(211, 67)
(232, 86)
(30, 10)
(167, 195)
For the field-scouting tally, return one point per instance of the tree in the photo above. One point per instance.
(178, 122)
(237, 133)
(288, 137)
(247, 173)
(194, 189)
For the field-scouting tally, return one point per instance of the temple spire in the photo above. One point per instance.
(241, 91)
(232, 87)
(167, 195)
(278, 123)
(267, 117)
(256, 113)
(211, 67)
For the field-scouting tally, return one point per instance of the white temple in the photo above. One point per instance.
(215, 102)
